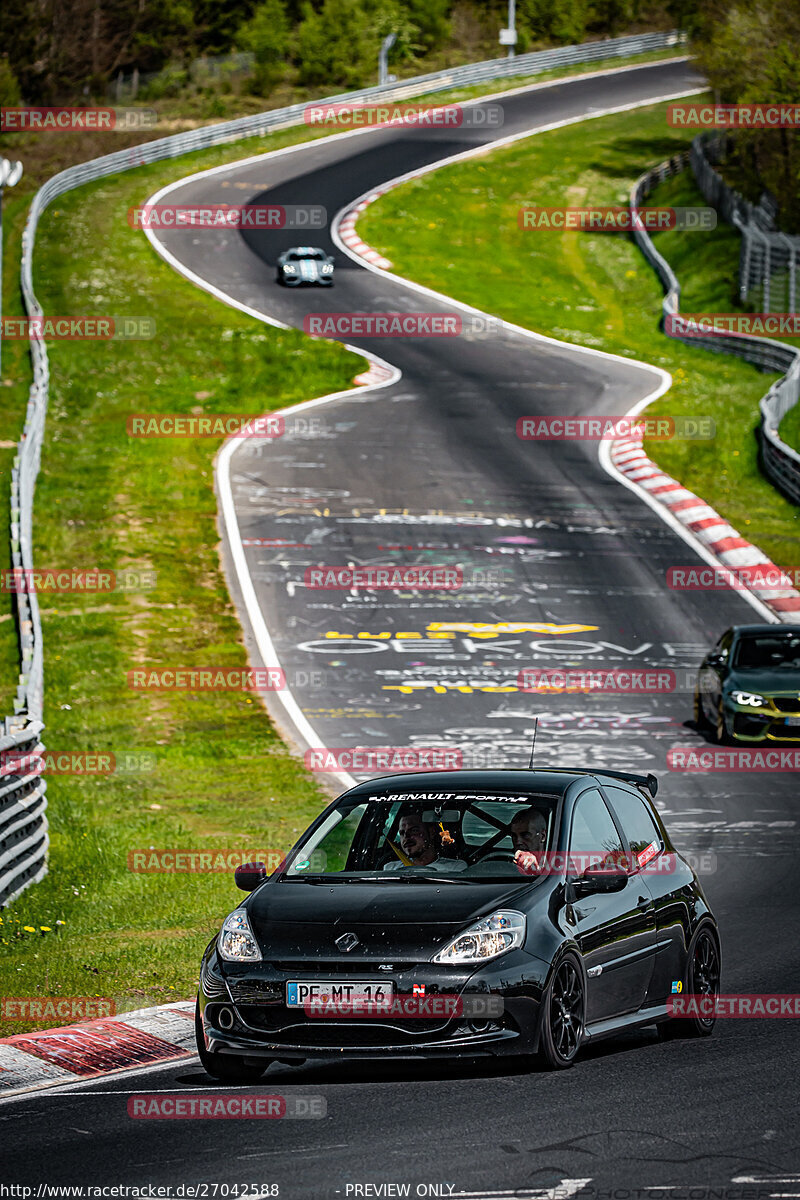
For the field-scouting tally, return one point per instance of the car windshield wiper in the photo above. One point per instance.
(406, 877)
(381, 877)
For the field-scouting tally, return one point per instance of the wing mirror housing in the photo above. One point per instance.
(599, 879)
(249, 875)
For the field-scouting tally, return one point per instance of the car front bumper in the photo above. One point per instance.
(766, 724)
(243, 1014)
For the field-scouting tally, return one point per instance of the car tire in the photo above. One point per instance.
(226, 1067)
(701, 978)
(563, 1009)
(700, 719)
(721, 731)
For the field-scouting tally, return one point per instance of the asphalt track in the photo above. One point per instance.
(429, 470)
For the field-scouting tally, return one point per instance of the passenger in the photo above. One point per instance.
(419, 840)
(528, 837)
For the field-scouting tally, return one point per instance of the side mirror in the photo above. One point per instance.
(599, 879)
(715, 659)
(249, 875)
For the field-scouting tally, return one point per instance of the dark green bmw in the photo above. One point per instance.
(748, 686)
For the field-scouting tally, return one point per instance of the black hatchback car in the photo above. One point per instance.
(748, 686)
(461, 913)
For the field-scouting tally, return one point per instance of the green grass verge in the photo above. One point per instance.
(456, 230)
(222, 776)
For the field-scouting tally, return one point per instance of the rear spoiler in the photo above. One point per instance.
(642, 781)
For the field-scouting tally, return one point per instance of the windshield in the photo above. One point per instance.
(466, 837)
(304, 255)
(774, 651)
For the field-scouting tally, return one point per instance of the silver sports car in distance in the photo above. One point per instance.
(305, 265)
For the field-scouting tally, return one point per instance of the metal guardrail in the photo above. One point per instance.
(769, 260)
(23, 824)
(780, 462)
(28, 868)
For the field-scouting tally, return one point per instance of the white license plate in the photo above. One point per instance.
(299, 994)
(793, 720)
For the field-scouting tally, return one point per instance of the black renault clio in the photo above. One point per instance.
(461, 913)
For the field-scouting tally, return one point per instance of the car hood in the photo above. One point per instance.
(302, 920)
(765, 681)
(308, 269)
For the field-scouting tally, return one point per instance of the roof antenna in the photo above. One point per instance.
(533, 746)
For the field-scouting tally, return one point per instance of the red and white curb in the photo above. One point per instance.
(375, 373)
(47, 1057)
(702, 521)
(347, 233)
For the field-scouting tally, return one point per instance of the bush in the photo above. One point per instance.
(266, 36)
(9, 88)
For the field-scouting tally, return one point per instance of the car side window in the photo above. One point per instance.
(594, 836)
(639, 827)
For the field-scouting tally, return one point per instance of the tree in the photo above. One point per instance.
(561, 21)
(750, 54)
(267, 36)
(333, 46)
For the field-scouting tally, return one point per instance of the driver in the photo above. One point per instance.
(419, 841)
(528, 837)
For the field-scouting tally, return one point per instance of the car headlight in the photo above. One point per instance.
(750, 698)
(289, 269)
(327, 268)
(494, 935)
(236, 942)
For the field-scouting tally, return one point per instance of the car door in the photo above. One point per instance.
(666, 876)
(615, 931)
(713, 670)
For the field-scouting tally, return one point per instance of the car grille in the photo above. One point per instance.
(784, 733)
(787, 704)
(366, 1031)
(749, 726)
